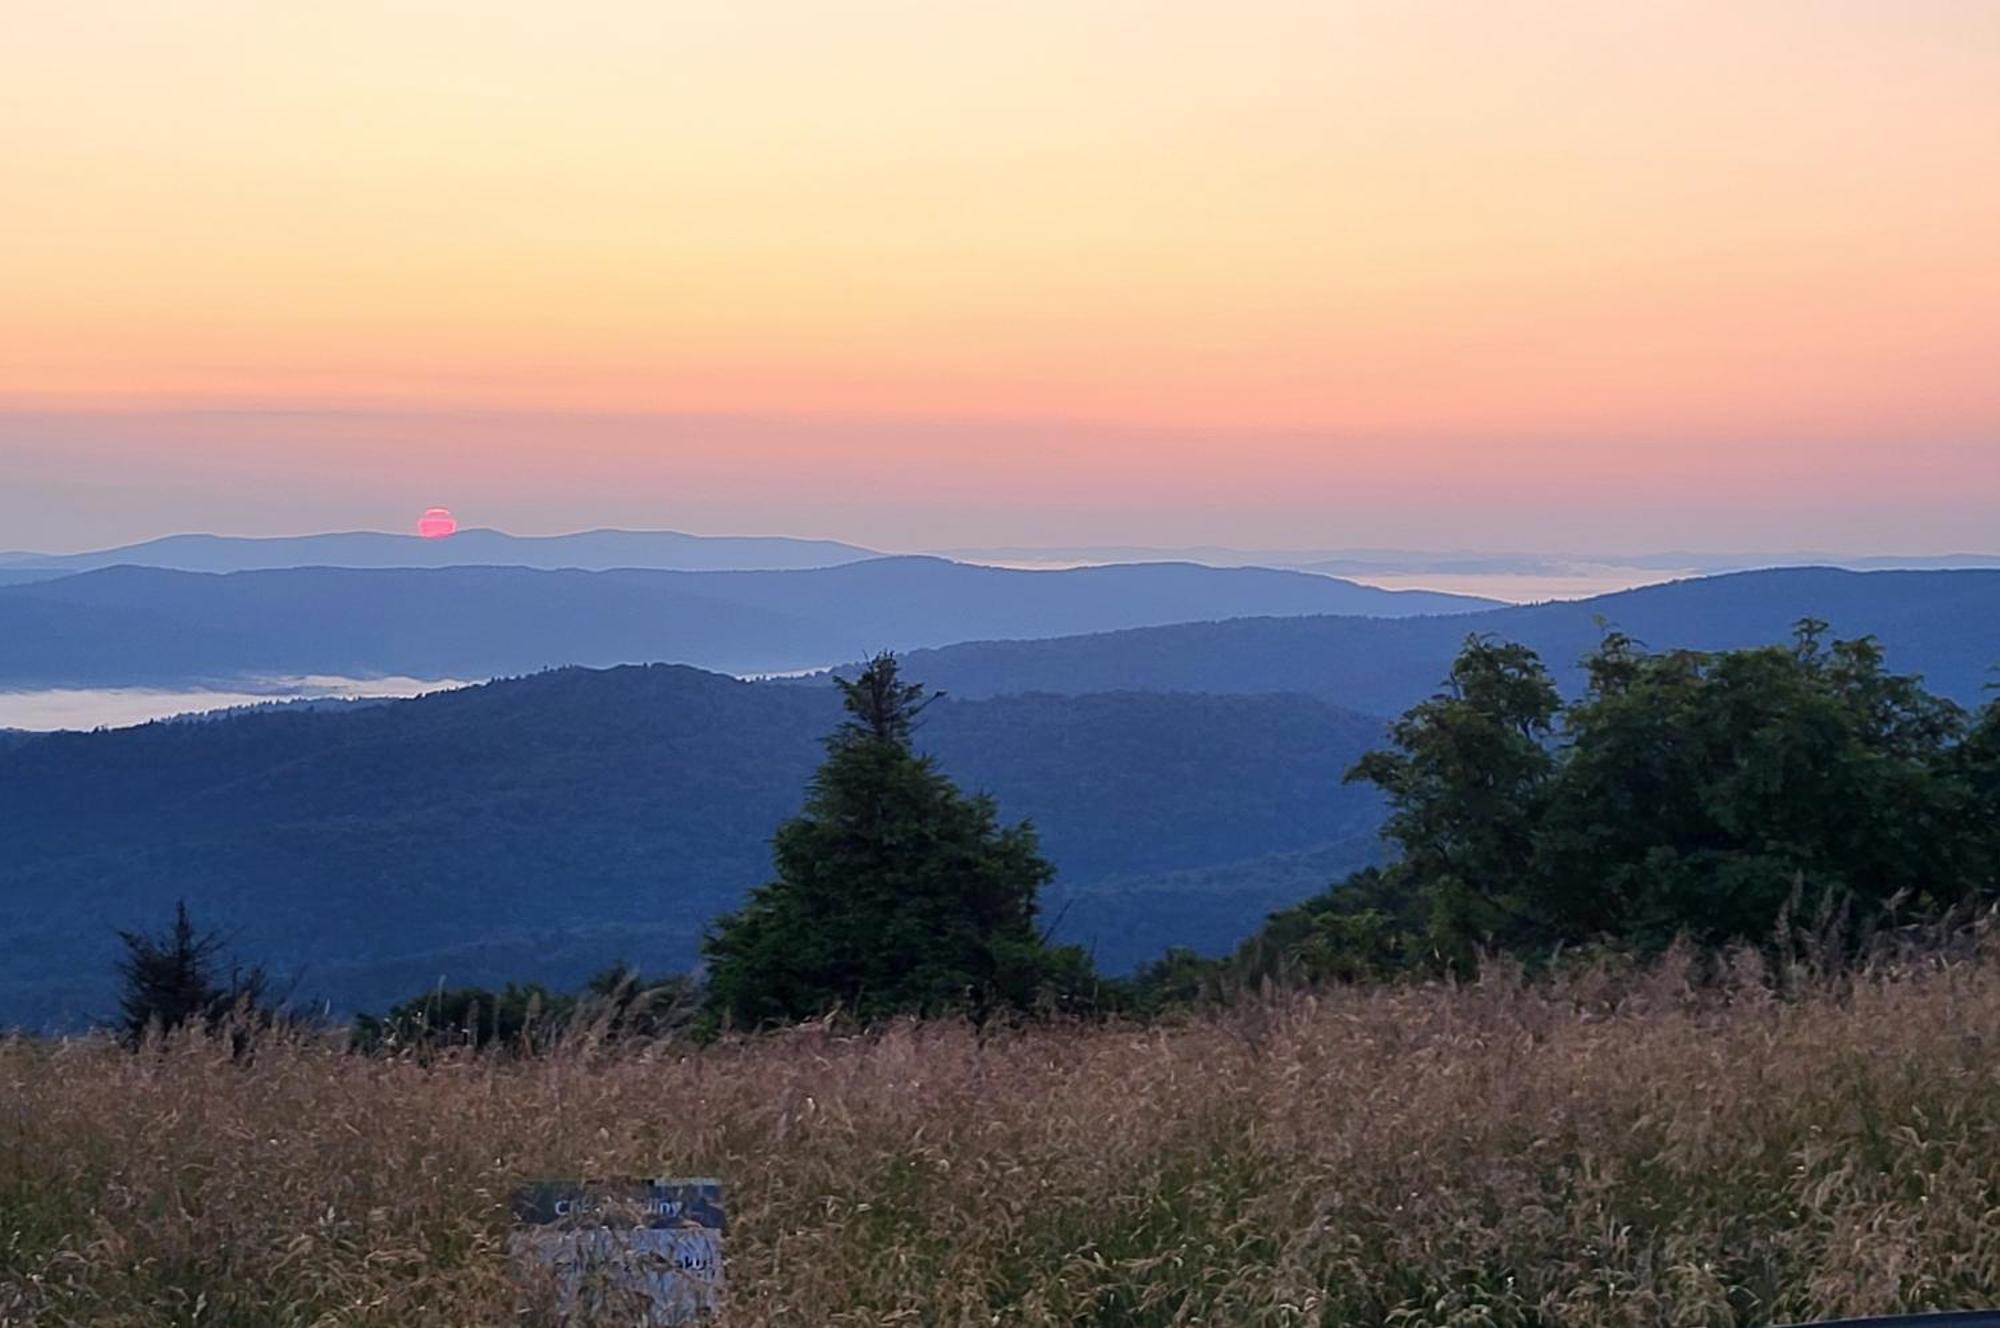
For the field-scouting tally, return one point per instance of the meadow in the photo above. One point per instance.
(1616, 1146)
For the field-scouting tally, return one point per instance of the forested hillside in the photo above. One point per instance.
(548, 825)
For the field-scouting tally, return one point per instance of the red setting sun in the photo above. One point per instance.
(436, 523)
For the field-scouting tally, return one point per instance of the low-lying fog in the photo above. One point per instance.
(49, 709)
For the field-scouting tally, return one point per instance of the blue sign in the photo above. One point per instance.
(648, 1252)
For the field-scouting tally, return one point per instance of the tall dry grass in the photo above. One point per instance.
(1607, 1150)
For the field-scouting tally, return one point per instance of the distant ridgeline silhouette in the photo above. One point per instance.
(1944, 625)
(590, 550)
(134, 625)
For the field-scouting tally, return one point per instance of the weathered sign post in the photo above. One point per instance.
(651, 1250)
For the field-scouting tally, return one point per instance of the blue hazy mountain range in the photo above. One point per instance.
(136, 625)
(540, 828)
(590, 550)
(1944, 625)
(1412, 562)
(669, 550)
(1187, 780)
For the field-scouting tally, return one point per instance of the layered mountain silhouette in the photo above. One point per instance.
(136, 625)
(1407, 562)
(1943, 625)
(1186, 777)
(590, 550)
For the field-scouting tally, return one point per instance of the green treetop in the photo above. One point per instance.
(895, 892)
(1689, 794)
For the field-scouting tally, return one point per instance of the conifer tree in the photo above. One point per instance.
(895, 892)
(178, 977)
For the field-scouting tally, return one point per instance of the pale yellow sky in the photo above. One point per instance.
(1323, 224)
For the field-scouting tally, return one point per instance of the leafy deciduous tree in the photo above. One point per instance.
(1683, 794)
(1467, 774)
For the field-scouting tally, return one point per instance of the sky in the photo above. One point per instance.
(1550, 274)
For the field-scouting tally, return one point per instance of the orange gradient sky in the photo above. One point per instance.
(1534, 274)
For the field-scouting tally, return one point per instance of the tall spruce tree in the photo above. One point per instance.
(895, 892)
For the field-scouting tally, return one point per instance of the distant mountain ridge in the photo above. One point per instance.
(589, 550)
(670, 550)
(1943, 624)
(1406, 562)
(125, 626)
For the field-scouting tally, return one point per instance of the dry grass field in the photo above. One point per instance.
(1606, 1150)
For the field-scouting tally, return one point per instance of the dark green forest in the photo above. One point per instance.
(1714, 798)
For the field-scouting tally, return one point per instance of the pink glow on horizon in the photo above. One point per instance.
(437, 523)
